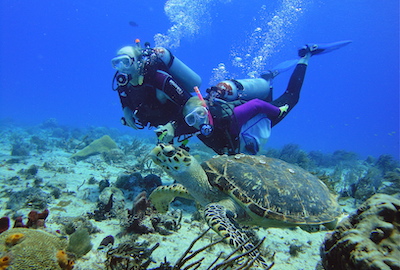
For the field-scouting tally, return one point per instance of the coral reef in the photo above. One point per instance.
(36, 249)
(30, 172)
(143, 219)
(391, 183)
(293, 154)
(134, 183)
(36, 219)
(111, 204)
(113, 156)
(71, 224)
(386, 163)
(99, 146)
(168, 223)
(41, 144)
(20, 149)
(128, 181)
(150, 182)
(107, 242)
(134, 255)
(4, 224)
(30, 197)
(368, 239)
(130, 255)
(134, 221)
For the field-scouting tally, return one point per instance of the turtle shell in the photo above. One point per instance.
(273, 189)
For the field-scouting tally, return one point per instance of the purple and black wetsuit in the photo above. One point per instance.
(225, 137)
(248, 110)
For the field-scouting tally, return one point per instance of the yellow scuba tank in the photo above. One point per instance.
(245, 89)
(184, 75)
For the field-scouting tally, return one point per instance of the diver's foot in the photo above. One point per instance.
(314, 49)
(269, 75)
(310, 48)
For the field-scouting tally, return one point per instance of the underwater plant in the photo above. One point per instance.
(79, 242)
(132, 256)
(41, 144)
(291, 153)
(386, 163)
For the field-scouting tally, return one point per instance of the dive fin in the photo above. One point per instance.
(278, 69)
(322, 48)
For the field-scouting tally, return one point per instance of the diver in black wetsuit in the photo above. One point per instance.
(152, 84)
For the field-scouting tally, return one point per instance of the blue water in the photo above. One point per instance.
(55, 61)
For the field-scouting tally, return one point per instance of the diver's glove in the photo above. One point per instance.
(129, 118)
(165, 133)
(283, 109)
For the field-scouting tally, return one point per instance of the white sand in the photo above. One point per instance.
(171, 246)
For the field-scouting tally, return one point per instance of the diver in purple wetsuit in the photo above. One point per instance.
(232, 120)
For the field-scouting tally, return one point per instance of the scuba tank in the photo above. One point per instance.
(248, 89)
(184, 75)
(245, 89)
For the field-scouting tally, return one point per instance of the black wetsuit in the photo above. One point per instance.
(292, 93)
(142, 99)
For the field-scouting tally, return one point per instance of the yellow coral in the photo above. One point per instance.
(4, 262)
(14, 238)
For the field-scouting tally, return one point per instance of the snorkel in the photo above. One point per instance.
(205, 129)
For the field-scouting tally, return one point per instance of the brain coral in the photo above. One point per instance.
(368, 239)
(36, 250)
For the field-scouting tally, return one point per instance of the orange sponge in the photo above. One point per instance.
(63, 262)
(14, 238)
(4, 262)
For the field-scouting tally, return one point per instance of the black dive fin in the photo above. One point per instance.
(322, 48)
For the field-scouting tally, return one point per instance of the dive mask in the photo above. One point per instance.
(122, 62)
(197, 116)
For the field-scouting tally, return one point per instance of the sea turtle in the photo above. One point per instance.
(244, 189)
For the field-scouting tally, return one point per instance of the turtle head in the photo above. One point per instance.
(172, 159)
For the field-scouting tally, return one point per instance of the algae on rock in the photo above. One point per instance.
(99, 146)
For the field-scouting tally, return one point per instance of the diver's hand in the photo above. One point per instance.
(165, 133)
(129, 118)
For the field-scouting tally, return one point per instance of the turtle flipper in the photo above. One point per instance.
(162, 196)
(218, 218)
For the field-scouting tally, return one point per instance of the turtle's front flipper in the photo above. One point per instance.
(162, 196)
(221, 220)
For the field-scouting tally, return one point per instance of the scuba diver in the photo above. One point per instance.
(237, 115)
(153, 85)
